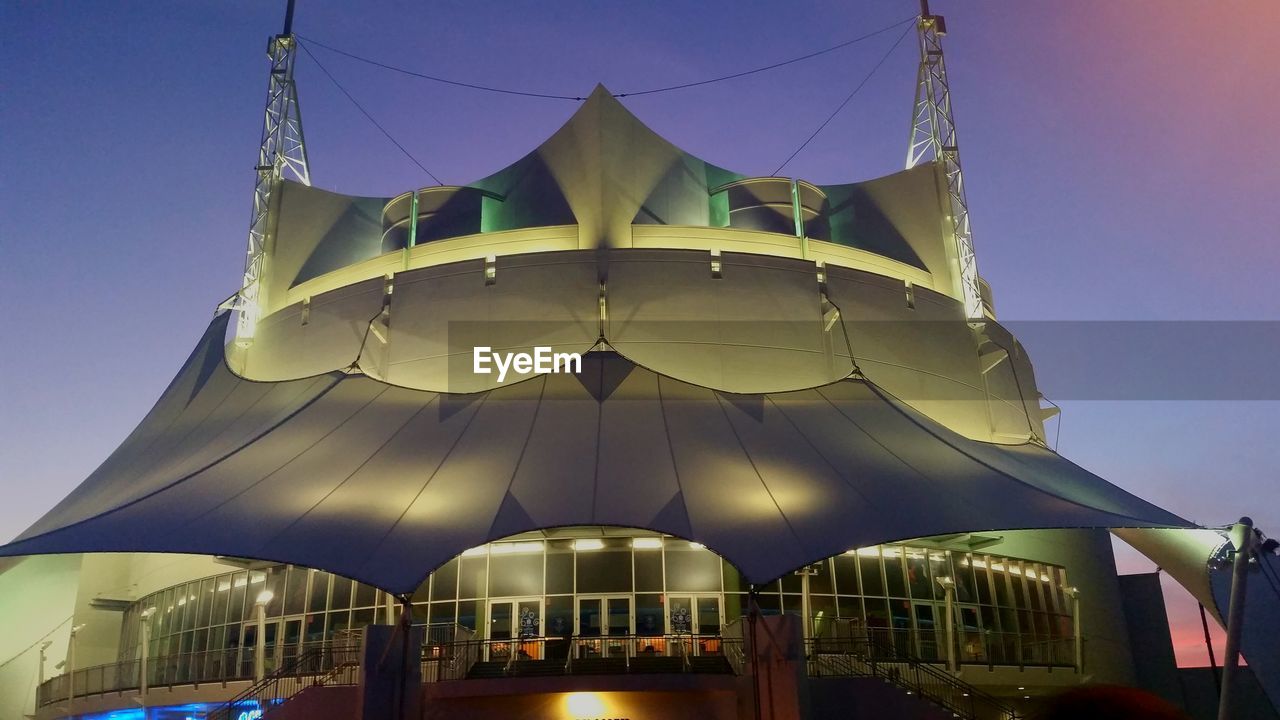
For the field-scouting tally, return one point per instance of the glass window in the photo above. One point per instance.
(648, 571)
(444, 613)
(872, 575)
(791, 583)
(421, 613)
(608, 569)
(190, 601)
(559, 567)
(204, 602)
(770, 603)
(516, 574)
(221, 598)
(444, 582)
(423, 593)
(982, 579)
(893, 572)
(473, 577)
(691, 569)
(649, 610)
(274, 583)
(339, 621)
(340, 596)
(366, 595)
(822, 613)
(939, 566)
(849, 607)
(1000, 578)
(469, 612)
(236, 605)
(295, 591)
(821, 582)
(918, 575)
(966, 590)
(846, 574)
(362, 617)
(877, 613)
(1019, 591)
(559, 616)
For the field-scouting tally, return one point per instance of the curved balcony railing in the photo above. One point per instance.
(196, 668)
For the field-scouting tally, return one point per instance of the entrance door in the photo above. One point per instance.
(515, 626)
(604, 625)
(697, 618)
(693, 614)
(249, 649)
(290, 640)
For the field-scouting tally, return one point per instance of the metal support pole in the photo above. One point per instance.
(1076, 631)
(260, 646)
(1242, 539)
(949, 588)
(1213, 660)
(142, 654)
(805, 608)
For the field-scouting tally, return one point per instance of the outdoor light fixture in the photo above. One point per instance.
(584, 705)
(265, 597)
(646, 543)
(588, 544)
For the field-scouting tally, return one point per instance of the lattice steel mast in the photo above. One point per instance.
(282, 150)
(933, 137)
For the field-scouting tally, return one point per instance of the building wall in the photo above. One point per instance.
(1091, 567)
(37, 598)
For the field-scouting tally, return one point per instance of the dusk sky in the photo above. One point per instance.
(1120, 160)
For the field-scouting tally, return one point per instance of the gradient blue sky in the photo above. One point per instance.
(1119, 159)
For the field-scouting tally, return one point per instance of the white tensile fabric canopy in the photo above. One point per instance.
(383, 484)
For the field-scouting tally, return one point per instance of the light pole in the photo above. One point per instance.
(145, 619)
(43, 647)
(71, 664)
(260, 647)
(1074, 594)
(949, 588)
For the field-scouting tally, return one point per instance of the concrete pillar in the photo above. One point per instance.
(390, 672)
(949, 589)
(777, 664)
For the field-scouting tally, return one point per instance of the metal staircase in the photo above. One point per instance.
(868, 657)
(314, 667)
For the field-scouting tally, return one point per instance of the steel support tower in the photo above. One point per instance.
(282, 150)
(933, 138)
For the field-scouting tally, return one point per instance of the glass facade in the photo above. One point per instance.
(1007, 611)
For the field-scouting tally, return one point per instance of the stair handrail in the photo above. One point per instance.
(882, 662)
(294, 669)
